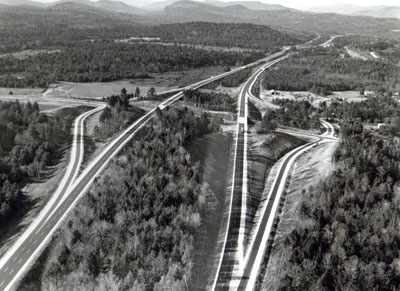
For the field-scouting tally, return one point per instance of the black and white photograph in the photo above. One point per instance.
(199, 145)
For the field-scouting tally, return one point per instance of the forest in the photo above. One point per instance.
(348, 234)
(30, 142)
(300, 114)
(243, 35)
(107, 61)
(386, 48)
(322, 71)
(134, 230)
(27, 28)
(210, 100)
(373, 110)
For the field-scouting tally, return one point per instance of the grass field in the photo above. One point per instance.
(161, 82)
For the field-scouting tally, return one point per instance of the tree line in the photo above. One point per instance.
(135, 228)
(348, 235)
(300, 114)
(30, 142)
(322, 71)
(211, 100)
(117, 115)
(107, 61)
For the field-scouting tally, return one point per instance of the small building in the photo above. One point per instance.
(369, 94)
(380, 125)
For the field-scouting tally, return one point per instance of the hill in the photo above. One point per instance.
(380, 11)
(112, 6)
(275, 16)
(323, 23)
(383, 12)
(22, 3)
(252, 5)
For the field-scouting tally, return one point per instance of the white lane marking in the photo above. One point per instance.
(79, 127)
(42, 214)
(260, 254)
(1, 284)
(240, 120)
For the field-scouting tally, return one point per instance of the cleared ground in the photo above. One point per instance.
(161, 82)
(308, 170)
(214, 154)
(314, 99)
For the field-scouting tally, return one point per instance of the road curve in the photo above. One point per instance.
(9, 262)
(22, 254)
(258, 244)
(230, 263)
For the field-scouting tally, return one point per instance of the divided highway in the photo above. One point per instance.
(239, 264)
(231, 261)
(269, 208)
(22, 254)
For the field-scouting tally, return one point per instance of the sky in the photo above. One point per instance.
(298, 4)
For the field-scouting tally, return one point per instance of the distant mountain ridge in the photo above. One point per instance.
(113, 6)
(381, 11)
(215, 11)
(252, 5)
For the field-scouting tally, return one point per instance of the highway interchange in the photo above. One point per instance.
(238, 264)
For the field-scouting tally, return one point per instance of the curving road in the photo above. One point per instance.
(22, 254)
(230, 263)
(9, 262)
(258, 244)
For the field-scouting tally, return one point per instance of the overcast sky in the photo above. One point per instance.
(296, 3)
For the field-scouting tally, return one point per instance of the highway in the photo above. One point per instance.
(230, 264)
(18, 259)
(9, 262)
(269, 207)
(239, 263)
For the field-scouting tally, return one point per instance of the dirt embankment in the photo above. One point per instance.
(214, 152)
(310, 168)
(264, 152)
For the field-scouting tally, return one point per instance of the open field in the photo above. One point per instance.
(349, 96)
(357, 54)
(161, 82)
(314, 99)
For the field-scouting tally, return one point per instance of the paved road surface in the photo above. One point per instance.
(19, 258)
(9, 263)
(255, 255)
(232, 256)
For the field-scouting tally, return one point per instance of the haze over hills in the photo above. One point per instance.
(381, 11)
(253, 5)
(216, 11)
